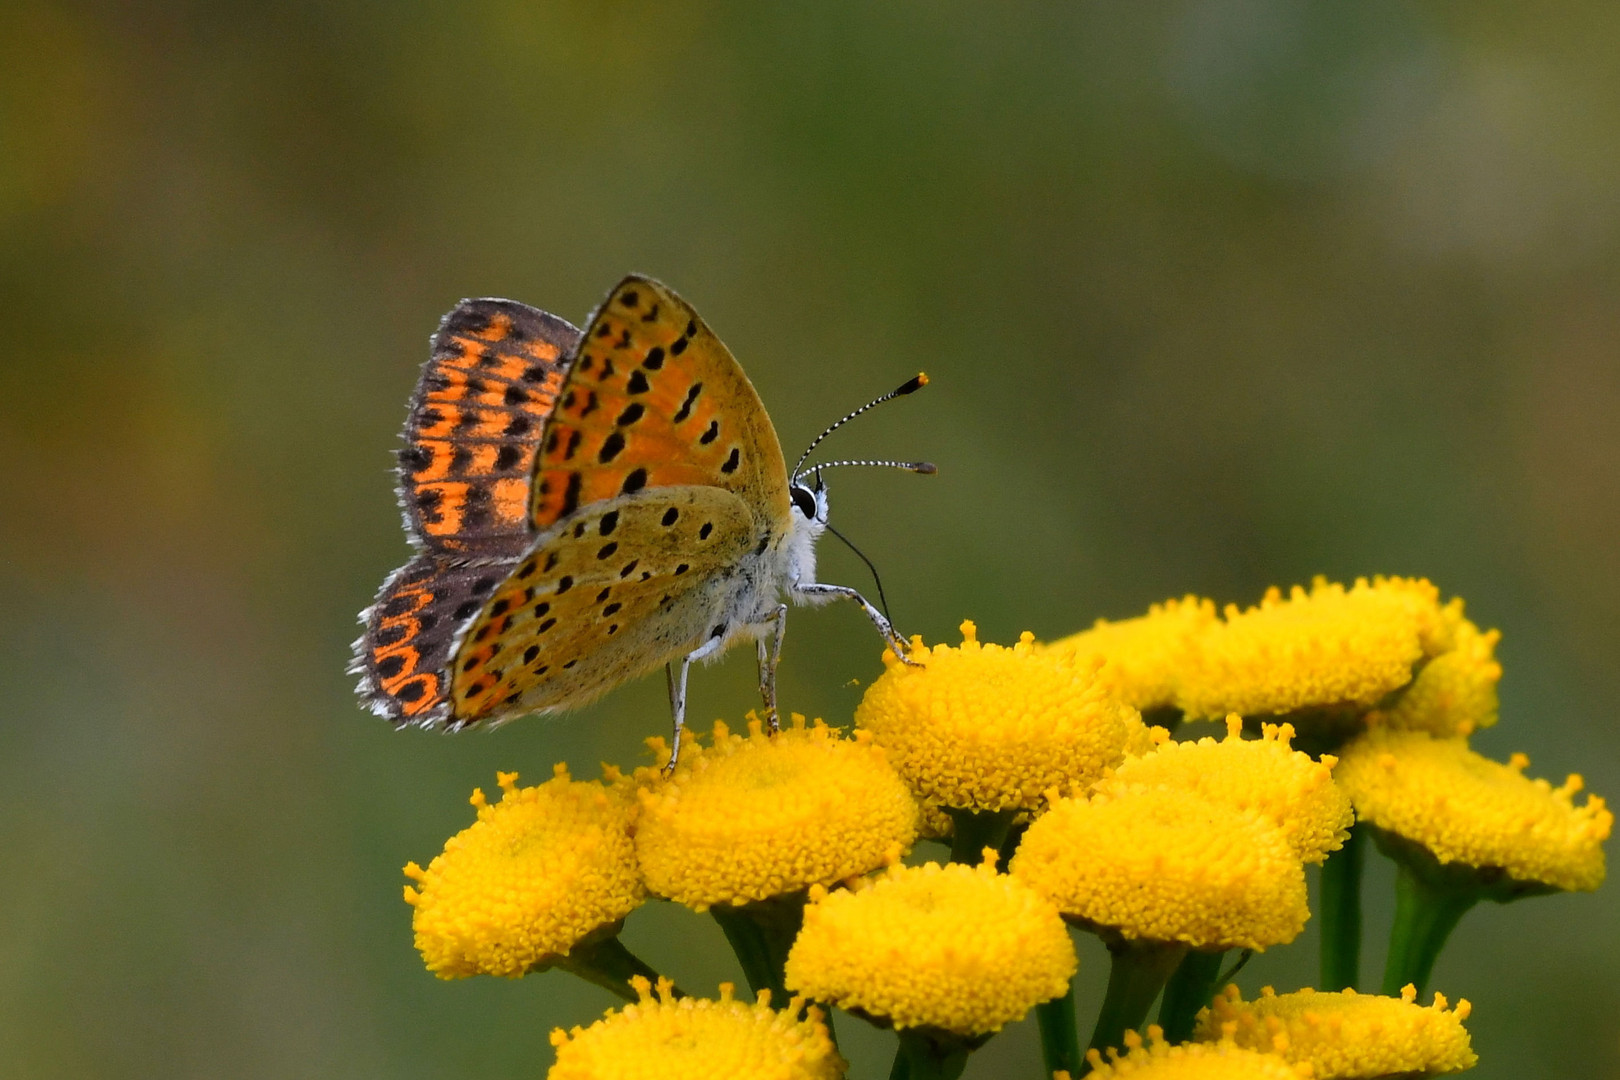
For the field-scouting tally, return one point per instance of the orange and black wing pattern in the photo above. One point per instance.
(482, 401)
(654, 399)
(410, 632)
(486, 392)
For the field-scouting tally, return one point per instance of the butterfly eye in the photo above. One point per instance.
(804, 501)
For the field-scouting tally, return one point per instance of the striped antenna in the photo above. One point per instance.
(911, 386)
(927, 468)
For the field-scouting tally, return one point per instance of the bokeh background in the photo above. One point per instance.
(1214, 294)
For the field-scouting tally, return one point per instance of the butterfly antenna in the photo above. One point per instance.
(883, 601)
(911, 386)
(927, 468)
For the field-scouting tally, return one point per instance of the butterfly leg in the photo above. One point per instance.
(677, 695)
(815, 591)
(677, 708)
(769, 656)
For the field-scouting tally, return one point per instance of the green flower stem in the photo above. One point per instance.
(1060, 1035)
(761, 933)
(1426, 912)
(1341, 913)
(974, 830)
(608, 964)
(1189, 990)
(1009, 843)
(1230, 973)
(1138, 972)
(931, 1054)
(1430, 898)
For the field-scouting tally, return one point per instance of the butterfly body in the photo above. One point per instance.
(590, 506)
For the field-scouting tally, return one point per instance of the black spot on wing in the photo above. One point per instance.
(686, 406)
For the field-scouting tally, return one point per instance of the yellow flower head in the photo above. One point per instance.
(1290, 789)
(536, 873)
(1158, 1060)
(1167, 864)
(699, 1039)
(1468, 809)
(984, 727)
(1346, 1035)
(1330, 646)
(1455, 693)
(957, 947)
(1146, 654)
(749, 818)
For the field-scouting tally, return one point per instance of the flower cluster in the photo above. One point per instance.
(1347, 713)
(1318, 653)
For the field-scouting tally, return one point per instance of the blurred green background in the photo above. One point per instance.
(1214, 295)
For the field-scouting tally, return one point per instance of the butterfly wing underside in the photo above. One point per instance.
(410, 631)
(654, 399)
(475, 421)
(485, 394)
(606, 595)
(645, 425)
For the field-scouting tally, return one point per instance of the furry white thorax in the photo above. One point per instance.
(747, 606)
(798, 552)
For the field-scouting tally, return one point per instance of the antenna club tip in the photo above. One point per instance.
(914, 385)
(927, 468)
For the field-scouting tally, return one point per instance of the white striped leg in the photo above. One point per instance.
(879, 620)
(677, 695)
(769, 656)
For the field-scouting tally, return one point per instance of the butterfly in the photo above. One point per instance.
(587, 507)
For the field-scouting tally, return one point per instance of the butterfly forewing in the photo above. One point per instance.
(653, 399)
(611, 592)
(493, 377)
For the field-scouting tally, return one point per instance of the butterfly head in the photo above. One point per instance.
(807, 492)
(809, 500)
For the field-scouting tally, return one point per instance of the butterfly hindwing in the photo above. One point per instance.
(484, 396)
(410, 630)
(654, 399)
(619, 588)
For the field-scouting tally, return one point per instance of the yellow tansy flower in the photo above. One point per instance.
(984, 727)
(1158, 1060)
(1146, 654)
(536, 873)
(960, 948)
(934, 823)
(1293, 791)
(1168, 865)
(1454, 693)
(1468, 809)
(1330, 646)
(699, 1039)
(1345, 1035)
(748, 818)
